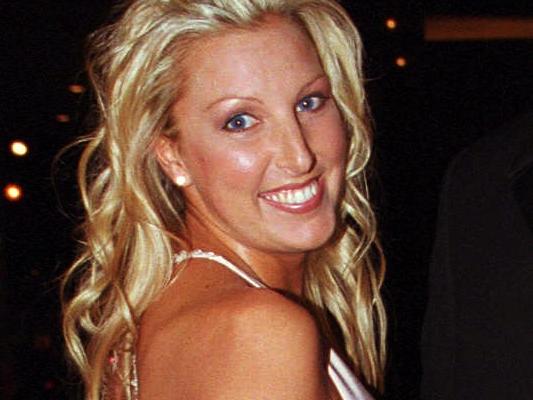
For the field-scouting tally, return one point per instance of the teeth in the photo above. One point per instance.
(297, 196)
(290, 197)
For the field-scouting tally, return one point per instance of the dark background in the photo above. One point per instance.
(449, 95)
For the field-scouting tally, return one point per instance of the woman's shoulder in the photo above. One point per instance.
(267, 318)
(240, 341)
(206, 293)
(238, 314)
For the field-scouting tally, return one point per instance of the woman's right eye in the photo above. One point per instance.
(240, 122)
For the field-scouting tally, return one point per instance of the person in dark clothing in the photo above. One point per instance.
(477, 340)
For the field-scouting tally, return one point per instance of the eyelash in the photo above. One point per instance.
(239, 128)
(251, 121)
(320, 98)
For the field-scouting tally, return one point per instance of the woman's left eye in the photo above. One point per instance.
(310, 103)
(240, 122)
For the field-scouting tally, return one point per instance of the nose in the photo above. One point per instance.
(293, 153)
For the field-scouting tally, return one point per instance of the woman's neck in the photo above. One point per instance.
(282, 271)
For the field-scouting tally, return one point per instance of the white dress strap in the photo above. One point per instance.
(185, 255)
(345, 381)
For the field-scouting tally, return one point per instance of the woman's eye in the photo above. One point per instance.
(240, 122)
(310, 103)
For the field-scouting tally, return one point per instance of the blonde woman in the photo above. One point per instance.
(230, 249)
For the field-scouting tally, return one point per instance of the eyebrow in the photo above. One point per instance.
(225, 98)
(246, 98)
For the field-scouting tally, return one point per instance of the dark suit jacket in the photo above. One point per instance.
(478, 331)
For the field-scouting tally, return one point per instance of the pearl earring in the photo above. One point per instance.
(181, 180)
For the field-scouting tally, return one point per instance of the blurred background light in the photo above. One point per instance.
(63, 118)
(401, 62)
(76, 88)
(461, 28)
(391, 23)
(13, 192)
(19, 148)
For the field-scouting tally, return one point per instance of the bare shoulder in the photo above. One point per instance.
(265, 321)
(247, 343)
(264, 307)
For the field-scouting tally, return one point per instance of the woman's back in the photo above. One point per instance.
(224, 339)
(211, 335)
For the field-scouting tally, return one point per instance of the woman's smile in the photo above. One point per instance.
(295, 198)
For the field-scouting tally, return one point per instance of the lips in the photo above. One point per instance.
(297, 198)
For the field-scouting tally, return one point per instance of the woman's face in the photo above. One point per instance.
(260, 140)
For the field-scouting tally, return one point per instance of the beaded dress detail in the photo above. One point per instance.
(347, 385)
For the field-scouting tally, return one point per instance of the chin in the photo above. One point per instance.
(309, 239)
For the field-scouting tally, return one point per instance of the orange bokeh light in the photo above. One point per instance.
(63, 118)
(391, 23)
(13, 192)
(76, 88)
(401, 62)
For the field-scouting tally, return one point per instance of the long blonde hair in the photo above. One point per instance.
(134, 214)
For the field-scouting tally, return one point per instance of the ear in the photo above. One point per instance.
(168, 157)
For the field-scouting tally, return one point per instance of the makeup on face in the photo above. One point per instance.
(261, 139)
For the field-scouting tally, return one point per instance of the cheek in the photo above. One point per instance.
(226, 165)
(243, 162)
(331, 141)
(338, 147)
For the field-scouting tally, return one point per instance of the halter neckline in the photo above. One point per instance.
(209, 255)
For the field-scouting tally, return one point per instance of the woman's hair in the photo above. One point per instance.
(135, 215)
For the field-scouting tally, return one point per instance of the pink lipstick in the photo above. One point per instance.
(296, 198)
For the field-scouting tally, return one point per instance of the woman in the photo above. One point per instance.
(230, 247)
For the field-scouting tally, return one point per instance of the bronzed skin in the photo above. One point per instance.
(263, 74)
(256, 115)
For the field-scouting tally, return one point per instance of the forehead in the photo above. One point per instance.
(267, 56)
